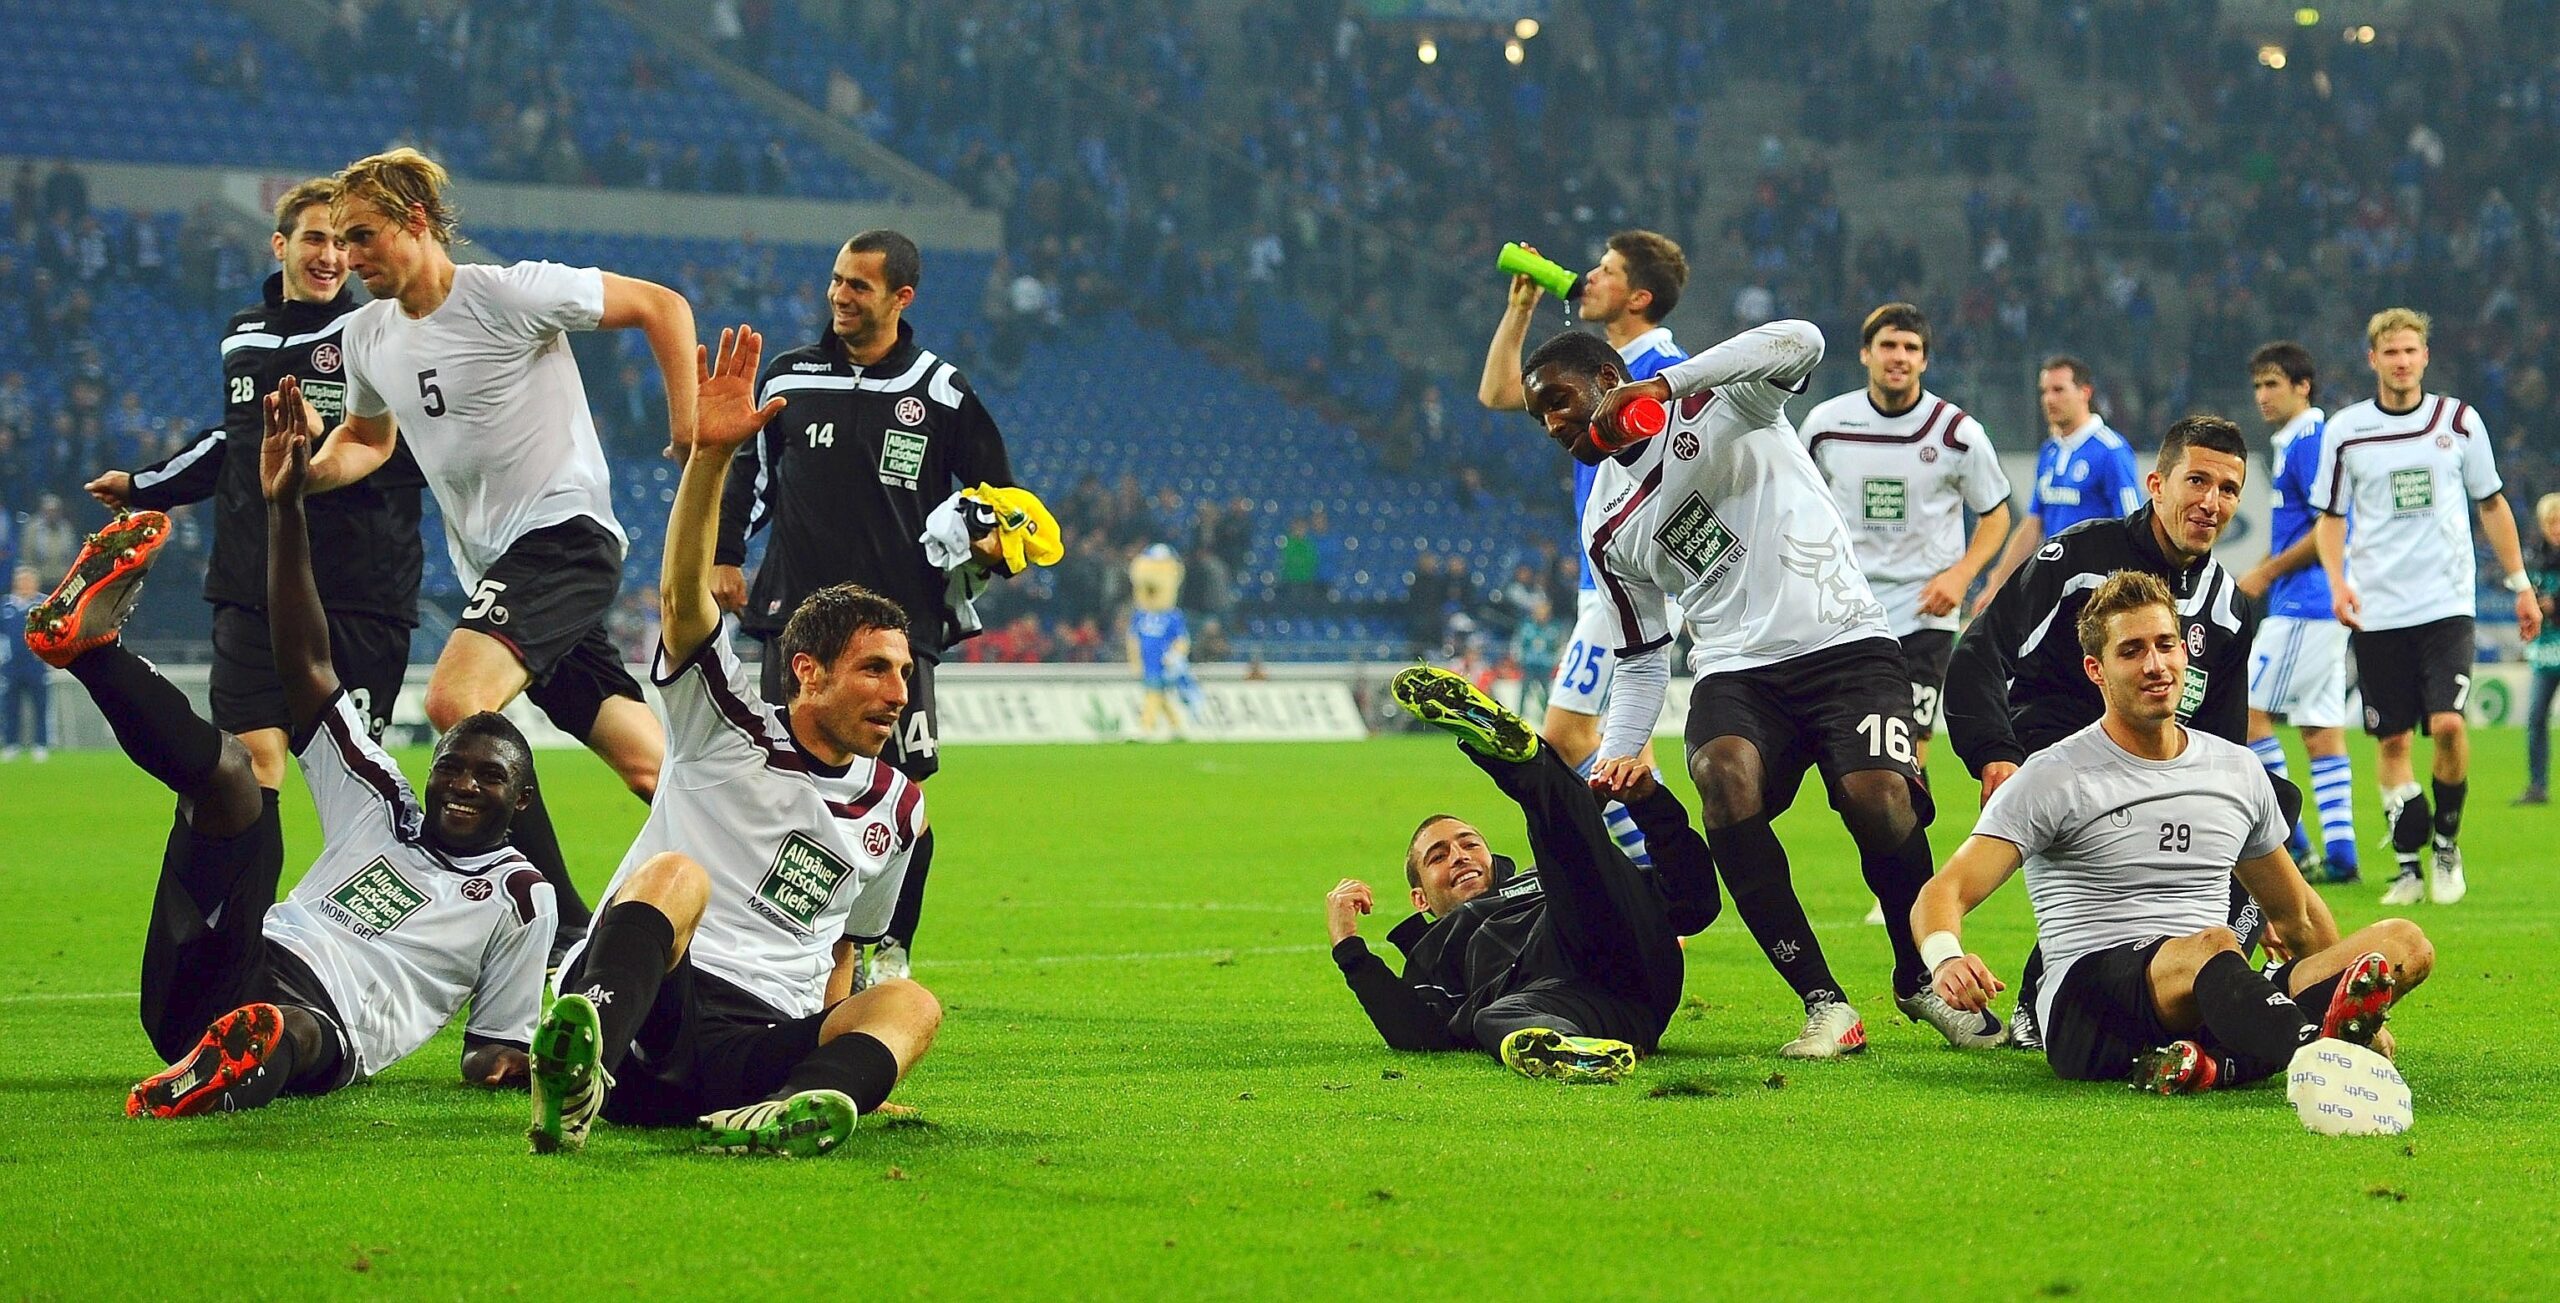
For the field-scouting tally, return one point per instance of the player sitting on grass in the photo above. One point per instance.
(2129, 831)
(1568, 970)
(713, 988)
(406, 916)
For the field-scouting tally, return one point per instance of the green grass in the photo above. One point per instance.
(1152, 1083)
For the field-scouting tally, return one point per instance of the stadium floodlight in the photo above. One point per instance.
(1526, 29)
(1428, 51)
(1514, 52)
(2271, 55)
(2306, 17)
(2364, 34)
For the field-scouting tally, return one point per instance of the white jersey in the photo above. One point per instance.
(800, 854)
(2410, 479)
(487, 394)
(1903, 484)
(400, 934)
(1725, 513)
(2120, 850)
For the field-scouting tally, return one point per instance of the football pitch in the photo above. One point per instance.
(1152, 1083)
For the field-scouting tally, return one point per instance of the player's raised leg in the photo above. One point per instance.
(608, 993)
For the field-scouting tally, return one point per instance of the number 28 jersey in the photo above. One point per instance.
(1725, 513)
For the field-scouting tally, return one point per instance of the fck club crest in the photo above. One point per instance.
(476, 889)
(326, 359)
(2195, 641)
(875, 840)
(1684, 445)
(911, 411)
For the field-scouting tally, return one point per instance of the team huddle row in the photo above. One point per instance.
(2117, 696)
(722, 982)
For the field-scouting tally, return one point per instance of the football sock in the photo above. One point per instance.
(627, 956)
(2270, 753)
(2333, 786)
(855, 1063)
(1754, 867)
(910, 910)
(153, 720)
(1896, 878)
(2449, 799)
(2405, 807)
(1623, 831)
(531, 833)
(2256, 1024)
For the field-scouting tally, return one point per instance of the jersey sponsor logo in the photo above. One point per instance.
(875, 840)
(328, 397)
(901, 457)
(2413, 490)
(2191, 694)
(477, 889)
(910, 410)
(1699, 541)
(804, 877)
(325, 357)
(1885, 501)
(1684, 445)
(2056, 495)
(376, 900)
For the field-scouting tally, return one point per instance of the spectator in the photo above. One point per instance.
(26, 690)
(48, 540)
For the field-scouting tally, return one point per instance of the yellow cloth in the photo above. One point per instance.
(1025, 531)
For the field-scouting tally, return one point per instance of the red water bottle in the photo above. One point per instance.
(1639, 420)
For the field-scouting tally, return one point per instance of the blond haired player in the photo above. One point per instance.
(2413, 466)
(472, 364)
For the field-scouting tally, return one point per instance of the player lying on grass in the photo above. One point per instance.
(713, 989)
(2129, 831)
(408, 913)
(1567, 970)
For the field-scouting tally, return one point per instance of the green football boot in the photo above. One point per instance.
(569, 1080)
(806, 1125)
(1448, 702)
(1538, 1052)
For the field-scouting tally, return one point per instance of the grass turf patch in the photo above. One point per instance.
(1152, 1082)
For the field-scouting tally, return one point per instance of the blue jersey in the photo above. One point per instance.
(2087, 476)
(16, 661)
(1645, 355)
(2302, 594)
(1156, 632)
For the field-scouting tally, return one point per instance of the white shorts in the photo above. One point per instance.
(2298, 671)
(1581, 684)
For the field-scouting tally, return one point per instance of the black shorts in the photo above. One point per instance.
(546, 599)
(2410, 674)
(370, 654)
(1925, 654)
(2103, 1014)
(1843, 709)
(915, 749)
(706, 1045)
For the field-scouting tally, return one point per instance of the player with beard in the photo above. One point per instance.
(407, 916)
(717, 988)
(2129, 831)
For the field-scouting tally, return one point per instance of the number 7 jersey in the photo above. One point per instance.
(1726, 514)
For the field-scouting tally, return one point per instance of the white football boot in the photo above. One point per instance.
(1831, 1029)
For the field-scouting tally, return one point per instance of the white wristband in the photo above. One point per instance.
(2518, 583)
(1939, 947)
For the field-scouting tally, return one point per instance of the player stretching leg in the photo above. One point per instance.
(1636, 285)
(1905, 466)
(714, 987)
(407, 915)
(2298, 667)
(1795, 666)
(1568, 970)
(2143, 980)
(473, 365)
(2411, 464)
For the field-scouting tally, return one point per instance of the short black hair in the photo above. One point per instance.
(2065, 362)
(2210, 432)
(2288, 359)
(1654, 263)
(900, 264)
(1579, 351)
(499, 729)
(1413, 865)
(829, 618)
